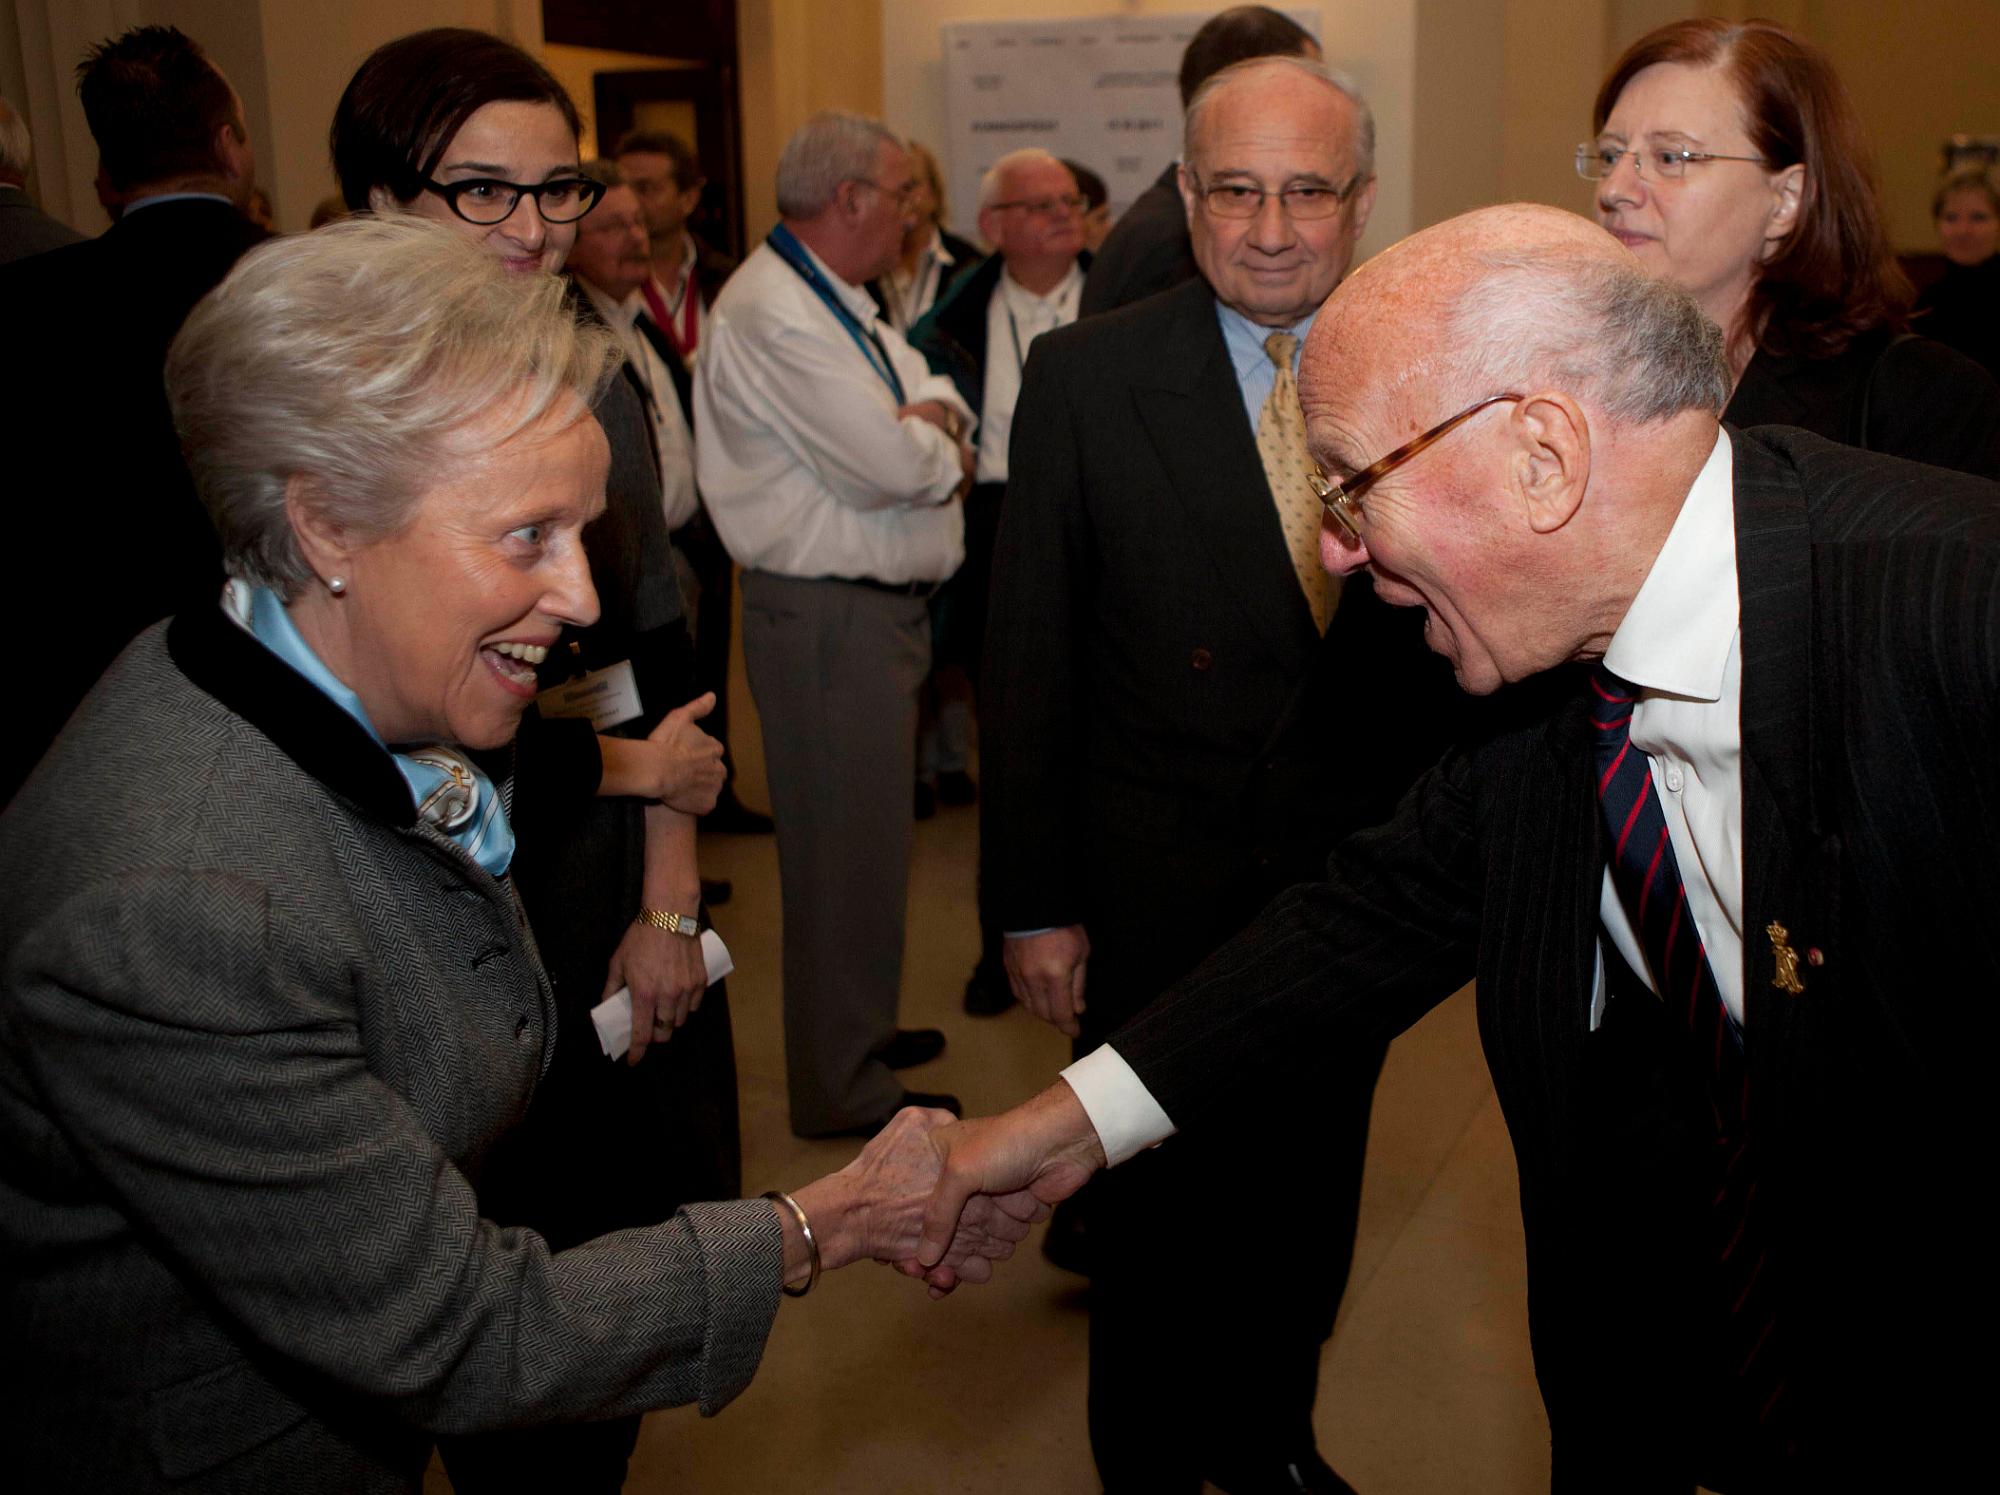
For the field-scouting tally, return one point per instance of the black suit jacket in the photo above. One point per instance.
(1904, 396)
(98, 471)
(1870, 592)
(1146, 252)
(1158, 708)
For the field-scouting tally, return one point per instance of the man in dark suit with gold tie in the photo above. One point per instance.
(1165, 659)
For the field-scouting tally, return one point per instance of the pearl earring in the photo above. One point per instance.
(336, 585)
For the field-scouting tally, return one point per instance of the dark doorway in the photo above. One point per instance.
(699, 105)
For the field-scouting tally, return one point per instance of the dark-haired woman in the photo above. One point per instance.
(469, 130)
(1728, 157)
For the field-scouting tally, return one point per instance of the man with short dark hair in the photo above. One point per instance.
(1166, 662)
(1147, 248)
(175, 169)
(665, 175)
(24, 228)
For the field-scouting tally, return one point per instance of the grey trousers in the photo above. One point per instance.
(835, 670)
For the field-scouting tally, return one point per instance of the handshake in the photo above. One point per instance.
(942, 1200)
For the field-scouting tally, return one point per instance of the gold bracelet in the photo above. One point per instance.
(805, 1229)
(680, 924)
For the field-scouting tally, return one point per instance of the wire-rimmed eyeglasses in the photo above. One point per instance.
(1300, 200)
(488, 200)
(1662, 163)
(1342, 496)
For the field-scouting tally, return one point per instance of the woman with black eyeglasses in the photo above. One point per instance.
(1729, 159)
(470, 131)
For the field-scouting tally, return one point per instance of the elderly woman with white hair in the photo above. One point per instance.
(268, 999)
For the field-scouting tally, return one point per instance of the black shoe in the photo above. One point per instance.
(926, 1099)
(731, 817)
(911, 1047)
(987, 993)
(956, 788)
(926, 801)
(716, 891)
(1066, 1243)
(1305, 1474)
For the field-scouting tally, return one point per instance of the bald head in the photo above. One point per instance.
(1589, 394)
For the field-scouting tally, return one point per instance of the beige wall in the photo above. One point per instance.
(577, 69)
(797, 58)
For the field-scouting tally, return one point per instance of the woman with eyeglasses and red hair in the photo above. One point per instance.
(1727, 156)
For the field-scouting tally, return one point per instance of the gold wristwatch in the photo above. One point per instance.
(680, 924)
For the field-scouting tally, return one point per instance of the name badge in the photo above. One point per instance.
(608, 697)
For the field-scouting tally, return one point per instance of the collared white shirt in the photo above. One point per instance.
(806, 467)
(1015, 317)
(677, 305)
(671, 437)
(912, 292)
(1681, 642)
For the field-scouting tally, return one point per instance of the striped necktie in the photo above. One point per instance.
(1648, 879)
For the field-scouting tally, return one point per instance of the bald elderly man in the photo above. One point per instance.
(1718, 864)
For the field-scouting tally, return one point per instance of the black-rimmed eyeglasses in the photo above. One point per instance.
(488, 200)
(1342, 496)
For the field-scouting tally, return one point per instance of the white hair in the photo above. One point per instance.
(830, 148)
(1638, 348)
(367, 356)
(995, 176)
(1319, 72)
(17, 148)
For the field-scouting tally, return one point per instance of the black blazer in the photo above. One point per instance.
(1158, 708)
(1871, 650)
(1146, 252)
(96, 462)
(1904, 396)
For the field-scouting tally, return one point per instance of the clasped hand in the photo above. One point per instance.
(954, 1196)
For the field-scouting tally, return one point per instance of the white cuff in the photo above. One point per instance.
(1127, 1118)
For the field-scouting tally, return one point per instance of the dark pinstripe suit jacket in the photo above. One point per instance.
(1870, 595)
(259, 1031)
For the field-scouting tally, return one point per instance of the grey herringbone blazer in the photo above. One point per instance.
(258, 1030)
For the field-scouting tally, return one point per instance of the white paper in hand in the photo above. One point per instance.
(613, 1016)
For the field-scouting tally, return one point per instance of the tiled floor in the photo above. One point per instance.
(868, 1387)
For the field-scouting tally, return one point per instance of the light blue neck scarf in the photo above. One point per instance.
(449, 792)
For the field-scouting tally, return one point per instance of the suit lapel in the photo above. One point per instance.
(1192, 410)
(670, 357)
(1789, 862)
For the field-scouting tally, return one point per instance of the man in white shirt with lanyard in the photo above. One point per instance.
(1717, 861)
(1032, 214)
(832, 461)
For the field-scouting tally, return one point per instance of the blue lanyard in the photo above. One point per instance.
(787, 247)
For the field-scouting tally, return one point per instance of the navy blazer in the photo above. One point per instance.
(1870, 593)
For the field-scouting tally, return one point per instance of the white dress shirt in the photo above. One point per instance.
(1681, 643)
(806, 468)
(1015, 317)
(671, 437)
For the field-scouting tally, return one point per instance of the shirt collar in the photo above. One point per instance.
(855, 298)
(1062, 294)
(1675, 637)
(619, 314)
(159, 197)
(1245, 339)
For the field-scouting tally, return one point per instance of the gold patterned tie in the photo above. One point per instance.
(1281, 442)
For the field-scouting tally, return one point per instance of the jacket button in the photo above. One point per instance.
(1815, 956)
(521, 1027)
(1202, 660)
